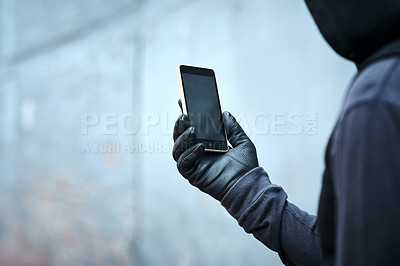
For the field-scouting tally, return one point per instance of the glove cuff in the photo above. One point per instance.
(245, 191)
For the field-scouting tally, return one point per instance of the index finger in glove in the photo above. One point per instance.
(184, 142)
(188, 159)
(181, 124)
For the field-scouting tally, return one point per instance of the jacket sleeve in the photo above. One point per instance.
(367, 181)
(262, 209)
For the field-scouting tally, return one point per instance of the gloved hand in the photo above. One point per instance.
(213, 173)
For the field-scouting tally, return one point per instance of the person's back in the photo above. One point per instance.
(360, 195)
(358, 213)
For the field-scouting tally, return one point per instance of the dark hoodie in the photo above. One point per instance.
(359, 209)
(356, 29)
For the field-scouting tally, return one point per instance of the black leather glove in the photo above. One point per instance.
(213, 173)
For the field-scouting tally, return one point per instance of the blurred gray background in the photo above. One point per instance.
(88, 99)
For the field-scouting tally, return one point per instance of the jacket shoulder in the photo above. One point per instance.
(378, 83)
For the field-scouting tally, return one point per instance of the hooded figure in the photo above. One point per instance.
(359, 215)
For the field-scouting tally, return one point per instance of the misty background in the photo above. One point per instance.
(88, 100)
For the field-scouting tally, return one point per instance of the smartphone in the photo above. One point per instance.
(200, 101)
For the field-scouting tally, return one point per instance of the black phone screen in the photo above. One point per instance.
(203, 106)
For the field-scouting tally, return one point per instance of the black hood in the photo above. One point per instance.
(356, 29)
